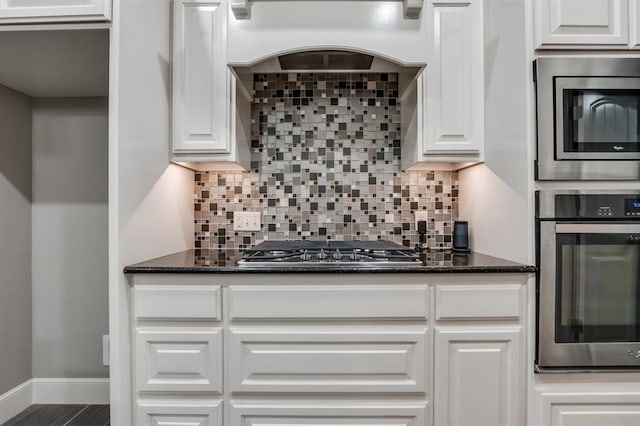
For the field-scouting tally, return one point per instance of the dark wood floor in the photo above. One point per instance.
(62, 415)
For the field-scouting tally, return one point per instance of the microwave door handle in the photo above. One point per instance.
(592, 228)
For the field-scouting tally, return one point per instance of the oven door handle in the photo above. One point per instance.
(594, 228)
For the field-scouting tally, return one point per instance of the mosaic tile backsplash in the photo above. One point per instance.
(325, 164)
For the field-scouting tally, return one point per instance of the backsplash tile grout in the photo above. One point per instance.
(325, 160)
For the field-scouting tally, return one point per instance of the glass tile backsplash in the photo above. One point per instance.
(325, 164)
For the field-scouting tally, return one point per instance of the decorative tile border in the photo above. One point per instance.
(325, 160)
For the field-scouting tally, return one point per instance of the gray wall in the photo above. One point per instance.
(15, 239)
(70, 240)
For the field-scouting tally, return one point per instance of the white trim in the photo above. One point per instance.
(15, 400)
(53, 391)
(242, 9)
(70, 391)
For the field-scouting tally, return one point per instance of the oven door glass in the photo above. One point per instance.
(598, 291)
(598, 118)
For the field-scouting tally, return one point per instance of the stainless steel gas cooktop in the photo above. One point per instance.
(366, 254)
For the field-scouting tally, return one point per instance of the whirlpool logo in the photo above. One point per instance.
(634, 353)
(618, 148)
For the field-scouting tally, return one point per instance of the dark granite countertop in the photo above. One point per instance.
(224, 261)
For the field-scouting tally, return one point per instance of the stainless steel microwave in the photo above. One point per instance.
(588, 118)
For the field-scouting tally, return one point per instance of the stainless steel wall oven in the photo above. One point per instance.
(588, 255)
(588, 118)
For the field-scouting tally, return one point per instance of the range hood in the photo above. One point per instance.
(328, 34)
(326, 60)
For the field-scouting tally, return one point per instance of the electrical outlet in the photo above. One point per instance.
(105, 350)
(418, 216)
(247, 221)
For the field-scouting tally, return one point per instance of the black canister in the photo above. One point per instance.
(460, 235)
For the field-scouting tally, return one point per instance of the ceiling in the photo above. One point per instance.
(52, 63)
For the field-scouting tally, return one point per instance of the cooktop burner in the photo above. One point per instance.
(321, 253)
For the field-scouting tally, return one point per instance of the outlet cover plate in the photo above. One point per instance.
(106, 361)
(418, 216)
(247, 221)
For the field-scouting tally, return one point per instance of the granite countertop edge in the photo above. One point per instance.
(182, 263)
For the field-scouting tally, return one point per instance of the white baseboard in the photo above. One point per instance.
(15, 400)
(70, 391)
(53, 391)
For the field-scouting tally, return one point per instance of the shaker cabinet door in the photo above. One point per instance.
(581, 24)
(479, 376)
(33, 11)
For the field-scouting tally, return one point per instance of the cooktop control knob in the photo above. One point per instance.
(322, 255)
(354, 255)
(305, 256)
(337, 255)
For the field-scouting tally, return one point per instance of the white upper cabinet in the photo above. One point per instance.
(447, 124)
(634, 30)
(204, 101)
(581, 24)
(35, 11)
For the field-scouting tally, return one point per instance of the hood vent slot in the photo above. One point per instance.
(326, 60)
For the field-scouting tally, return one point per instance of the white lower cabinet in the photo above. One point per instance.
(366, 349)
(179, 413)
(596, 415)
(329, 414)
(479, 377)
(581, 401)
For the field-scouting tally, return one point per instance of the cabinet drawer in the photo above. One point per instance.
(328, 302)
(177, 302)
(328, 360)
(179, 413)
(36, 11)
(188, 360)
(330, 414)
(481, 301)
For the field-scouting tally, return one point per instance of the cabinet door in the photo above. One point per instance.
(175, 360)
(179, 413)
(348, 302)
(28, 11)
(581, 23)
(581, 403)
(328, 360)
(201, 80)
(479, 376)
(595, 415)
(634, 25)
(330, 414)
(452, 85)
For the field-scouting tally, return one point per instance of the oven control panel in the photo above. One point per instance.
(597, 206)
(632, 206)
